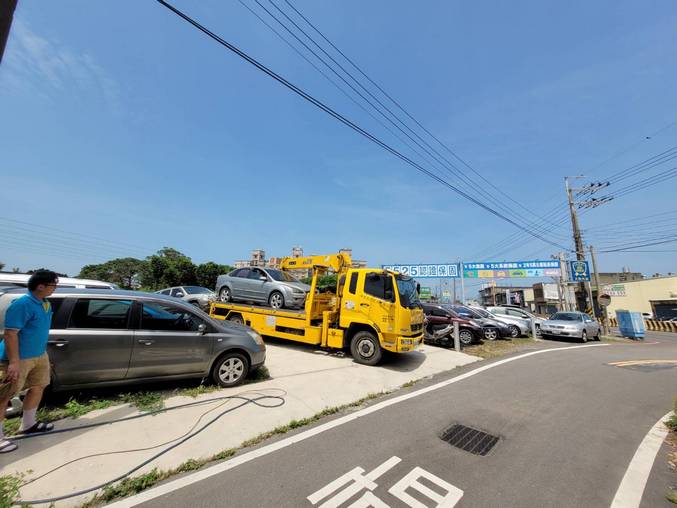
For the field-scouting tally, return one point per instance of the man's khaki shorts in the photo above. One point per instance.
(33, 372)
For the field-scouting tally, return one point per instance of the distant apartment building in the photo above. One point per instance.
(258, 258)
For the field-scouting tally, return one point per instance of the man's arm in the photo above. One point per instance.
(12, 352)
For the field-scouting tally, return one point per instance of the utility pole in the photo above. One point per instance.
(605, 320)
(591, 202)
(6, 14)
(578, 240)
(454, 293)
(460, 267)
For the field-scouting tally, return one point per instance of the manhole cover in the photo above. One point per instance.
(469, 439)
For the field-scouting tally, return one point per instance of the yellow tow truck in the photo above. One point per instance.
(371, 310)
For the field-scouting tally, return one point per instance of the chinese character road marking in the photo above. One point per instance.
(355, 480)
(360, 482)
(448, 500)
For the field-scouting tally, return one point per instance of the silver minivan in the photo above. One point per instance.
(115, 337)
(262, 285)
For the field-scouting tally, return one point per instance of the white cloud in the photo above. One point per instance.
(48, 68)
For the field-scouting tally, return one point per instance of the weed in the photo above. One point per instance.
(144, 401)
(9, 489)
(671, 496)
(672, 422)
(409, 384)
(132, 485)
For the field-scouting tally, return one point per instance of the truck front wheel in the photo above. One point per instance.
(366, 348)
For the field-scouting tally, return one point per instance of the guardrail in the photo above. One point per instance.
(652, 324)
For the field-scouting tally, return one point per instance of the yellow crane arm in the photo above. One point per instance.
(336, 262)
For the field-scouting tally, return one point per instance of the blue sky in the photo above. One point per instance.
(126, 130)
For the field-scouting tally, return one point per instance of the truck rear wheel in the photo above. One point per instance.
(236, 319)
(366, 348)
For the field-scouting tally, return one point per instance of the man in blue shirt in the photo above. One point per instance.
(23, 353)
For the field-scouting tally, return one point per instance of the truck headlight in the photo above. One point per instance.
(407, 342)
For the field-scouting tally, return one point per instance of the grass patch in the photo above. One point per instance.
(146, 401)
(671, 496)
(9, 489)
(672, 422)
(496, 348)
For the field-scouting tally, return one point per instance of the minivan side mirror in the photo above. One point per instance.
(202, 328)
(179, 295)
(263, 278)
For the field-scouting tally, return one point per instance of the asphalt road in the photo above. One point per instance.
(568, 425)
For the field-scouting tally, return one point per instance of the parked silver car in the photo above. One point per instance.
(518, 326)
(114, 337)
(262, 285)
(196, 295)
(507, 310)
(571, 324)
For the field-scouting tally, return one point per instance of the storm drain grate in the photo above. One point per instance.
(469, 439)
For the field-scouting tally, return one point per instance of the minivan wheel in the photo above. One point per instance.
(366, 348)
(276, 300)
(230, 369)
(584, 336)
(465, 337)
(514, 331)
(224, 294)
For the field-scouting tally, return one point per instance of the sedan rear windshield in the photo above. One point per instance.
(566, 316)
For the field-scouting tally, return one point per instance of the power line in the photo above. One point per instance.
(397, 104)
(439, 159)
(343, 119)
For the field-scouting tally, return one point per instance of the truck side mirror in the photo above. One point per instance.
(418, 288)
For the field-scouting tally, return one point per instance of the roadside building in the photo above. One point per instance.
(656, 296)
(523, 296)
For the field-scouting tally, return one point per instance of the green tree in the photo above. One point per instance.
(2, 265)
(206, 273)
(36, 269)
(121, 271)
(168, 267)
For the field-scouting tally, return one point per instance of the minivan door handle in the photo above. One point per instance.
(146, 342)
(58, 343)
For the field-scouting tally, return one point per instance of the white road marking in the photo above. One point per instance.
(302, 436)
(631, 489)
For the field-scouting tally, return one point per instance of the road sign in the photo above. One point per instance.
(604, 300)
(426, 293)
(420, 271)
(580, 271)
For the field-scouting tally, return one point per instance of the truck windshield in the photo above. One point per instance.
(406, 287)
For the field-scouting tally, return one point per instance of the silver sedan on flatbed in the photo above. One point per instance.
(571, 324)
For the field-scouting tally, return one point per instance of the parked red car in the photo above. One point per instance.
(439, 318)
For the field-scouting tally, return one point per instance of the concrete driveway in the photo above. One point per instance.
(307, 378)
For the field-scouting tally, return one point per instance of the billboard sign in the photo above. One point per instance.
(614, 290)
(580, 271)
(511, 269)
(425, 271)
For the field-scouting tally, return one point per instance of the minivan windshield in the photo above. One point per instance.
(281, 276)
(566, 316)
(406, 287)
